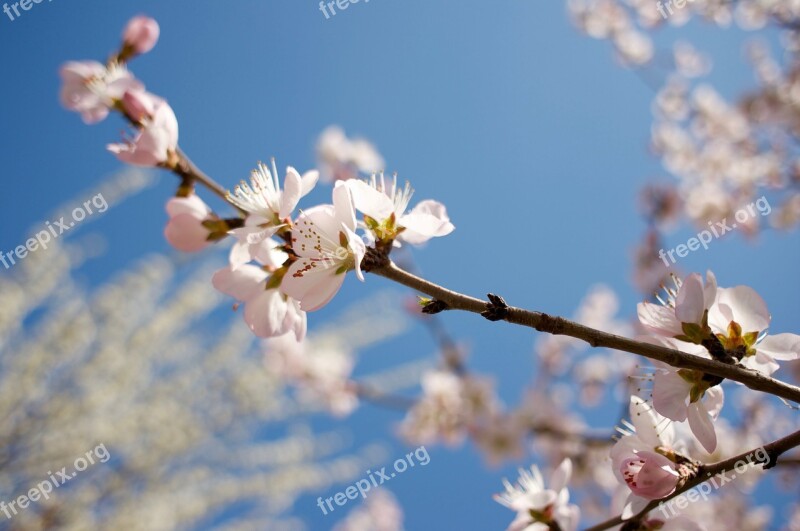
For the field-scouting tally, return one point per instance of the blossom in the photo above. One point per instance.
(327, 247)
(683, 313)
(139, 105)
(141, 34)
(500, 437)
(155, 143)
(185, 230)
(736, 317)
(91, 89)
(681, 394)
(342, 158)
(268, 206)
(267, 311)
(265, 199)
(385, 205)
(320, 369)
(638, 458)
(450, 404)
(740, 320)
(538, 507)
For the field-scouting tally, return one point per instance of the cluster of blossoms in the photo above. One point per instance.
(627, 22)
(281, 265)
(285, 262)
(540, 508)
(342, 158)
(726, 324)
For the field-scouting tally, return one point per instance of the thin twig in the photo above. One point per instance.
(559, 326)
(705, 472)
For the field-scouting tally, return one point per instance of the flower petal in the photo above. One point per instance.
(240, 283)
(780, 346)
(658, 319)
(747, 306)
(702, 426)
(690, 302)
(670, 395)
(427, 220)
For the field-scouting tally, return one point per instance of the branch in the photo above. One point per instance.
(773, 450)
(186, 169)
(496, 309)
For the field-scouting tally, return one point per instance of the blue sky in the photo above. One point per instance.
(529, 132)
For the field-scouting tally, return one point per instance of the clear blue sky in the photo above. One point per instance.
(528, 131)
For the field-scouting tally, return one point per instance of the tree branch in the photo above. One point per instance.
(496, 309)
(773, 450)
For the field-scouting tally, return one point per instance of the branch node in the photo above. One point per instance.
(496, 308)
(434, 306)
(374, 259)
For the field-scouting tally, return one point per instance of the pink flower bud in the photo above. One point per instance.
(139, 105)
(185, 230)
(650, 475)
(154, 142)
(141, 34)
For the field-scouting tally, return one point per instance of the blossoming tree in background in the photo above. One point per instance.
(288, 259)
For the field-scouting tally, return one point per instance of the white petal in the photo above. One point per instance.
(670, 395)
(690, 302)
(561, 475)
(265, 313)
(702, 426)
(309, 181)
(749, 309)
(240, 254)
(312, 284)
(659, 319)
(645, 420)
(292, 192)
(710, 291)
(713, 400)
(780, 346)
(241, 283)
(188, 205)
(343, 204)
(425, 221)
(370, 201)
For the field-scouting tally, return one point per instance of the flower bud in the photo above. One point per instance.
(141, 34)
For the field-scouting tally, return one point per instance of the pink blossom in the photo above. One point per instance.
(681, 394)
(342, 158)
(91, 89)
(386, 204)
(649, 475)
(687, 305)
(537, 506)
(140, 105)
(637, 460)
(740, 319)
(327, 248)
(267, 311)
(185, 230)
(321, 370)
(268, 206)
(141, 34)
(154, 143)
